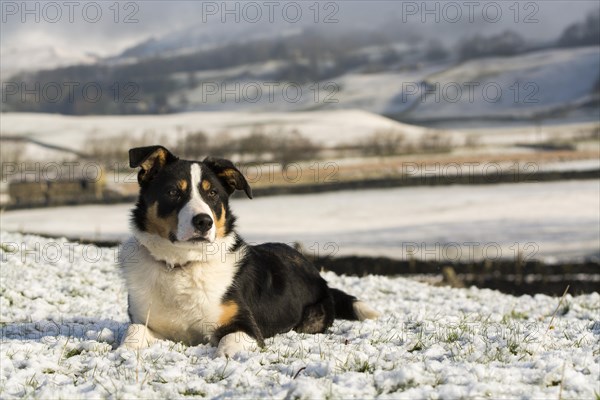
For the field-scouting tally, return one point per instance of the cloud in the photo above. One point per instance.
(117, 29)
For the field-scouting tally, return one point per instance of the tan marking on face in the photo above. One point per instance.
(182, 185)
(220, 222)
(206, 185)
(229, 310)
(161, 226)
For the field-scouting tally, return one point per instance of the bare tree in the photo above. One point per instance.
(223, 145)
(435, 141)
(110, 151)
(10, 153)
(256, 144)
(193, 145)
(291, 146)
(584, 33)
(385, 143)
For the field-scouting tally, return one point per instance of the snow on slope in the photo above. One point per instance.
(504, 87)
(532, 83)
(64, 314)
(380, 92)
(45, 55)
(327, 127)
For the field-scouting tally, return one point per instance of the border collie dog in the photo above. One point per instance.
(192, 279)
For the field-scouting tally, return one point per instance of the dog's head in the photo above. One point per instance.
(184, 201)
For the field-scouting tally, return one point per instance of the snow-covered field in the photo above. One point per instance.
(324, 127)
(327, 128)
(541, 220)
(64, 313)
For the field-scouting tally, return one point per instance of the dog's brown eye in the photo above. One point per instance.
(212, 193)
(173, 193)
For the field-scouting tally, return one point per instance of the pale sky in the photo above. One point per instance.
(76, 30)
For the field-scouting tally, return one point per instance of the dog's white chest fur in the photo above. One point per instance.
(181, 303)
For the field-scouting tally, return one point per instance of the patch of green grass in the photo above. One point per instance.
(452, 336)
(75, 293)
(384, 338)
(365, 367)
(73, 352)
(7, 249)
(518, 315)
(400, 387)
(417, 347)
(514, 315)
(218, 377)
(33, 383)
(159, 379)
(513, 347)
(193, 392)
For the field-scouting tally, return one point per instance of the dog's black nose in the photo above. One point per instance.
(202, 222)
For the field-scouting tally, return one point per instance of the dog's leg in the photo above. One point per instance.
(138, 337)
(316, 318)
(242, 334)
(233, 343)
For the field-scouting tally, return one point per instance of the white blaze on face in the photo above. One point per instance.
(195, 206)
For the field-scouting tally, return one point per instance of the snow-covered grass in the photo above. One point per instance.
(63, 315)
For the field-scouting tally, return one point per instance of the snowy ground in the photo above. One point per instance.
(64, 313)
(324, 127)
(542, 220)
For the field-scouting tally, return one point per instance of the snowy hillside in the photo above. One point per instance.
(529, 84)
(43, 56)
(64, 314)
(325, 127)
(522, 86)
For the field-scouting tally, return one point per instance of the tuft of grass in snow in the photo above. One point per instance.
(193, 392)
(514, 315)
(73, 352)
(5, 248)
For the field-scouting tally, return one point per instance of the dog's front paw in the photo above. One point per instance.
(234, 343)
(137, 337)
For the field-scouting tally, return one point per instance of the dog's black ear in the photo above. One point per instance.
(229, 175)
(151, 159)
